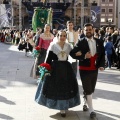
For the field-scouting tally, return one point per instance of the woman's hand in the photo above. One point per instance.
(101, 68)
(88, 55)
(78, 53)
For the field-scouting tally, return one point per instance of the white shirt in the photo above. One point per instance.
(92, 46)
(71, 37)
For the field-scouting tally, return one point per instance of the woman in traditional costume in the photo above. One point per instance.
(59, 89)
(44, 41)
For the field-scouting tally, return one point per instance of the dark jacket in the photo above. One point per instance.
(30, 47)
(83, 46)
(117, 44)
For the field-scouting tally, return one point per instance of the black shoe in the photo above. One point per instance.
(92, 115)
(63, 114)
(85, 108)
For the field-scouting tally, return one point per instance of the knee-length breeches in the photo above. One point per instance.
(88, 79)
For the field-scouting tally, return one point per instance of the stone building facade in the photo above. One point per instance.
(74, 11)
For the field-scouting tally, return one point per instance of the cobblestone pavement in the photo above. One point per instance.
(17, 91)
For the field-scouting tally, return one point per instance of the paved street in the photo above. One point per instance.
(17, 91)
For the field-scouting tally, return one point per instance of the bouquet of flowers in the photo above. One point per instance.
(36, 51)
(44, 69)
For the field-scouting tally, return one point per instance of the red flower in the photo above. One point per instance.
(46, 65)
(37, 48)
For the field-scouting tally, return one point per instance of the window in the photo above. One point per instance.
(110, 10)
(110, 0)
(103, 10)
(5, 2)
(102, 19)
(85, 3)
(110, 20)
(103, 0)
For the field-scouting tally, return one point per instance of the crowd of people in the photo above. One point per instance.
(109, 35)
(95, 49)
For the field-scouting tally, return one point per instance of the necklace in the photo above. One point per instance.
(62, 53)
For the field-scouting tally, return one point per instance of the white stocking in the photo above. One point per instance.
(89, 102)
(62, 111)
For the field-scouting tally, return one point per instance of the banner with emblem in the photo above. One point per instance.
(5, 15)
(95, 16)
